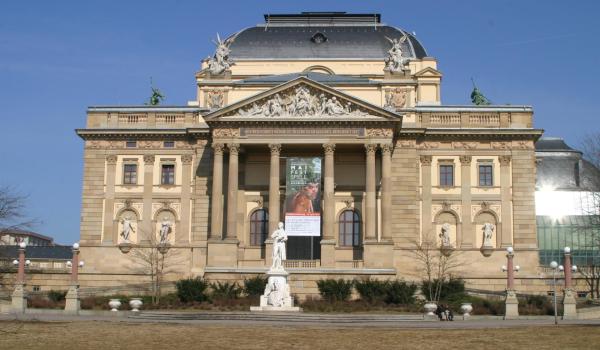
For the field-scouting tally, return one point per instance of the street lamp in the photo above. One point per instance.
(511, 302)
(19, 301)
(72, 302)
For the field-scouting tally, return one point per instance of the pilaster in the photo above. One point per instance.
(467, 237)
(110, 235)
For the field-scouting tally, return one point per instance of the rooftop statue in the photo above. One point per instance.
(478, 98)
(395, 62)
(220, 62)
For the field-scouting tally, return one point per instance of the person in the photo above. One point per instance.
(302, 201)
(448, 313)
(279, 238)
(439, 312)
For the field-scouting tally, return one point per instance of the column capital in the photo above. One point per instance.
(329, 148)
(504, 160)
(112, 159)
(149, 159)
(371, 148)
(186, 158)
(387, 148)
(218, 148)
(425, 160)
(275, 148)
(234, 148)
(465, 160)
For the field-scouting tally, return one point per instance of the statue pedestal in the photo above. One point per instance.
(72, 302)
(19, 299)
(512, 305)
(277, 296)
(569, 305)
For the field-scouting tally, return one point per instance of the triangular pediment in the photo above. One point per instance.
(428, 72)
(301, 98)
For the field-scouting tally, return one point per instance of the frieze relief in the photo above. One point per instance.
(464, 145)
(429, 145)
(301, 101)
(407, 143)
(380, 132)
(501, 145)
(523, 145)
(223, 133)
(396, 98)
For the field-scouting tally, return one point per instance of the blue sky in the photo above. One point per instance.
(58, 57)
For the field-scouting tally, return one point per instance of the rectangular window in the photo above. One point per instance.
(37, 288)
(130, 174)
(130, 144)
(169, 144)
(446, 175)
(486, 175)
(167, 174)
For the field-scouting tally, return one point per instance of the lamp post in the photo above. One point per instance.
(569, 302)
(72, 301)
(511, 302)
(19, 295)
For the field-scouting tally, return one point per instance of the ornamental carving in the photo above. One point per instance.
(301, 101)
(185, 144)
(187, 158)
(395, 61)
(329, 148)
(234, 148)
(226, 133)
(436, 209)
(380, 132)
(150, 144)
(407, 143)
(466, 160)
(94, 144)
(425, 160)
(504, 160)
(275, 148)
(149, 159)
(173, 207)
(465, 145)
(501, 145)
(387, 148)
(429, 145)
(395, 98)
(486, 207)
(220, 62)
(112, 159)
(215, 99)
(218, 148)
(371, 149)
(523, 145)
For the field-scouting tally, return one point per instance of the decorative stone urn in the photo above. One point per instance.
(125, 247)
(135, 304)
(486, 250)
(114, 304)
(466, 309)
(430, 307)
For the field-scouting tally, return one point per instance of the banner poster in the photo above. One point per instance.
(303, 197)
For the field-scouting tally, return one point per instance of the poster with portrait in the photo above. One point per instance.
(303, 197)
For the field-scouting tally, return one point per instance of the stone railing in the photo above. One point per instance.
(462, 119)
(302, 264)
(143, 117)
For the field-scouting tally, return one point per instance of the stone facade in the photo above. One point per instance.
(392, 153)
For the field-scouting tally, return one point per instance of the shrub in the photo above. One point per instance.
(536, 305)
(400, 292)
(372, 291)
(56, 295)
(225, 290)
(335, 290)
(449, 289)
(255, 286)
(192, 289)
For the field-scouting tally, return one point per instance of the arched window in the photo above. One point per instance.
(259, 224)
(349, 222)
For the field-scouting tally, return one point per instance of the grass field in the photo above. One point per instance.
(114, 335)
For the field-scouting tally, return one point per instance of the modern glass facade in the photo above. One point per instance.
(579, 232)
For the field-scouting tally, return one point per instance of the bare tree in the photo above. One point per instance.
(154, 259)
(12, 210)
(435, 266)
(590, 206)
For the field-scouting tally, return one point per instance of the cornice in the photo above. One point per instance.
(139, 133)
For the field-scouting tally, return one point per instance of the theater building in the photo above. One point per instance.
(332, 123)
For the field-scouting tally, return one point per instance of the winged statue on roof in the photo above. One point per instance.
(395, 61)
(220, 61)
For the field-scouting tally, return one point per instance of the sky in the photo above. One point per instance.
(59, 57)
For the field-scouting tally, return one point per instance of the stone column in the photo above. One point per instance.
(511, 303)
(274, 187)
(569, 302)
(466, 235)
(426, 197)
(505, 238)
(386, 191)
(110, 236)
(328, 241)
(182, 234)
(147, 228)
(370, 200)
(19, 295)
(216, 223)
(72, 302)
(232, 192)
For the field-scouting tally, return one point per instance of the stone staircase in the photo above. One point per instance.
(277, 317)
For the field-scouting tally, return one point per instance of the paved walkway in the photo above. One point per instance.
(296, 320)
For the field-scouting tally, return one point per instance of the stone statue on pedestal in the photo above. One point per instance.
(127, 228)
(279, 239)
(445, 235)
(165, 228)
(488, 232)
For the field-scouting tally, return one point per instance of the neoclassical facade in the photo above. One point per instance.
(362, 101)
